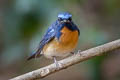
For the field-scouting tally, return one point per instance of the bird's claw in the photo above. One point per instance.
(58, 65)
(79, 52)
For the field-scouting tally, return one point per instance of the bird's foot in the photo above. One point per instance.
(73, 53)
(79, 52)
(58, 65)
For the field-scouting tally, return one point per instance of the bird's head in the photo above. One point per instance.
(65, 17)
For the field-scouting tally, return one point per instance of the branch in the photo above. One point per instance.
(79, 57)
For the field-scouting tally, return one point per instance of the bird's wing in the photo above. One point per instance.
(49, 35)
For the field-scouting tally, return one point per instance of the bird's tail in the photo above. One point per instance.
(35, 55)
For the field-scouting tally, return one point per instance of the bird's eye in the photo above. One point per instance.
(69, 19)
(60, 19)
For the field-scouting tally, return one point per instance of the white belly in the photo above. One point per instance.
(51, 52)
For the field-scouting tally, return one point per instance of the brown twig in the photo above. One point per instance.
(79, 57)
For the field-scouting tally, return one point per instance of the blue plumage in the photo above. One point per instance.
(70, 26)
(49, 35)
(64, 15)
(54, 31)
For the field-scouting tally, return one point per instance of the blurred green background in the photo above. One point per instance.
(23, 22)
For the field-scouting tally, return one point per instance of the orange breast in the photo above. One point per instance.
(67, 43)
(68, 37)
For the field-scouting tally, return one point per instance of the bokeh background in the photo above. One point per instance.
(23, 22)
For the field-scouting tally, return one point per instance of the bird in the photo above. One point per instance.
(60, 39)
